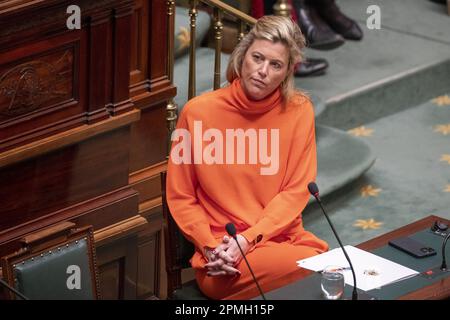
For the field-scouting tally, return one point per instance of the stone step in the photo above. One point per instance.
(341, 159)
(409, 180)
(403, 64)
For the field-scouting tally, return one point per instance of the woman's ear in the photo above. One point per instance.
(292, 68)
(290, 72)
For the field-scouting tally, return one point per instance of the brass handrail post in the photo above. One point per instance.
(218, 26)
(241, 32)
(227, 9)
(170, 38)
(192, 68)
(282, 8)
(219, 8)
(171, 107)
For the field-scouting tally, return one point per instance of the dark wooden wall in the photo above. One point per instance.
(83, 133)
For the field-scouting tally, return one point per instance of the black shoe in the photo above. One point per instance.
(311, 67)
(439, 1)
(317, 33)
(330, 12)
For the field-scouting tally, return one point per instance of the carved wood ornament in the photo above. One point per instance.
(30, 85)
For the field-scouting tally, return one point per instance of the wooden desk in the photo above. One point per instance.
(306, 288)
(437, 291)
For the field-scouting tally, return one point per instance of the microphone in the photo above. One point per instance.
(17, 293)
(314, 190)
(231, 229)
(444, 263)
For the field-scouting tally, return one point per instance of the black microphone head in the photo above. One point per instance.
(231, 229)
(313, 188)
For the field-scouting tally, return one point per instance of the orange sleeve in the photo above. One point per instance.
(190, 217)
(287, 205)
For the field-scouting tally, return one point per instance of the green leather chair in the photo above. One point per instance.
(57, 263)
(178, 252)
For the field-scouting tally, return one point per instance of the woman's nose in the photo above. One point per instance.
(263, 69)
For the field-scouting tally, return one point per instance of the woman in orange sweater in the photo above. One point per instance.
(245, 154)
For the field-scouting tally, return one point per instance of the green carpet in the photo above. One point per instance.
(409, 180)
(420, 18)
(386, 83)
(341, 158)
(404, 64)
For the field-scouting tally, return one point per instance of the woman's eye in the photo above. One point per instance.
(257, 58)
(276, 65)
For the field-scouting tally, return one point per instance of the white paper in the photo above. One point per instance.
(371, 270)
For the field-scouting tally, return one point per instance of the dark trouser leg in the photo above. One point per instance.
(317, 33)
(339, 22)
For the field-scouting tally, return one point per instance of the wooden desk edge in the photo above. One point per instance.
(436, 291)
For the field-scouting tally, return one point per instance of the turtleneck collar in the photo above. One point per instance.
(248, 106)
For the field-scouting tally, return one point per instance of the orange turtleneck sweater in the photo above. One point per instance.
(203, 196)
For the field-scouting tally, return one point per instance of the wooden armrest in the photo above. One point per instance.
(55, 230)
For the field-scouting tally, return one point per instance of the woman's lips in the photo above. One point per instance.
(259, 82)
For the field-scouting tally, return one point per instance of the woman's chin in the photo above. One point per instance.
(257, 95)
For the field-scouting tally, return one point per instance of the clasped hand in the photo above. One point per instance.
(223, 259)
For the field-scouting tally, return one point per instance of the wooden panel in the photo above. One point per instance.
(158, 40)
(150, 90)
(111, 280)
(150, 86)
(163, 274)
(147, 182)
(129, 266)
(76, 80)
(106, 210)
(107, 214)
(62, 178)
(118, 264)
(41, 81)
(148, 273)
(148, 139)
(148, 70)
(140, 42)
(66, 138)
(41, 88)
(121, 59)
(33, 20)
(100, 44)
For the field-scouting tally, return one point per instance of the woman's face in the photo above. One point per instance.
(264, 67)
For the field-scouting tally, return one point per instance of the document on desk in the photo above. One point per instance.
(371, 270)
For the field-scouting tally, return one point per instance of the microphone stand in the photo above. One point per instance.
(248, 265)
(444, 263)
(354, 293)
(231, 230)
(314, 190)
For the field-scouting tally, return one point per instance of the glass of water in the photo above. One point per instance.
(332, 282)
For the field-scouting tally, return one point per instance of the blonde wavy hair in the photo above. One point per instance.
(275, 29)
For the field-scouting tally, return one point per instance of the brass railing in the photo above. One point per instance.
(218, 9)
(171, 108)
(244, 21)
(282, 8)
